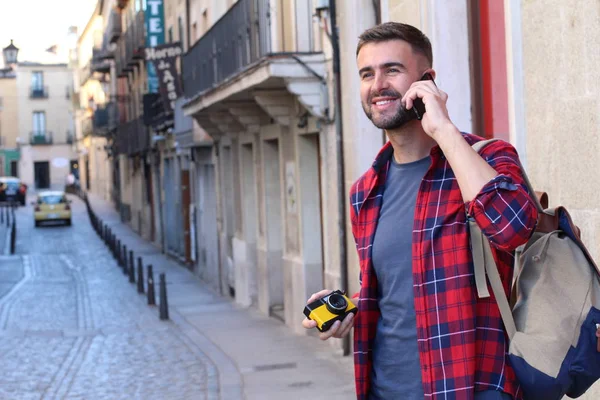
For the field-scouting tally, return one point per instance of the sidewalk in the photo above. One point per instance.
(255, 357)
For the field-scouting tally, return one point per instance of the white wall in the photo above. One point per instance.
(55, 155)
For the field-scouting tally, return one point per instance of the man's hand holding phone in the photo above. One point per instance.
(339, 329)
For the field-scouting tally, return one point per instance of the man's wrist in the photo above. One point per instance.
(448, 133)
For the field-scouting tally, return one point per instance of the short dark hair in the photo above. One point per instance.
(397, 31)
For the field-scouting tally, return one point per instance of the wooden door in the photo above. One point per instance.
(185, 211)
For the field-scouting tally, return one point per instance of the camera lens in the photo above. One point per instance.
(336, 303)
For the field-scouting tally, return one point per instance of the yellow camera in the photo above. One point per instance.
(326, 310)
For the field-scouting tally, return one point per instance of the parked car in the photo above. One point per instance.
(12, 190)
(52, 206)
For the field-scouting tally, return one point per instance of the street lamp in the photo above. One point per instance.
(10, 54)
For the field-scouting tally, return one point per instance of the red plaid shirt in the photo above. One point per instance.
(461, 339)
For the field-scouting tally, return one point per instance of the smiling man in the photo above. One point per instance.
(420, 331)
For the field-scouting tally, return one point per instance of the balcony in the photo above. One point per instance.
(105, 119)
(87, 128)
(130, 49)
(100, 60)
(122, 3)
(132, 138)
(240, 74)
(113, 27)
(240, 38)
(85, 73)
(40, 138)
(75, 100)
(38, 92)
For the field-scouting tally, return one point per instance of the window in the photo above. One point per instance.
(181, 34)
(194, 31)
(170, 35)
(37, 80)
(204, 21)
(39, 123)
(52, 199)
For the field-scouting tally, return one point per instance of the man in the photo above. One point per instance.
(420, 331)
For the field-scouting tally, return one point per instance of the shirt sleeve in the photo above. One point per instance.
(503, 208)
(353, 217)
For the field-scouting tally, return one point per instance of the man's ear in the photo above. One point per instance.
(431, 72)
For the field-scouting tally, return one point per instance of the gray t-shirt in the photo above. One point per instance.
(396, 370)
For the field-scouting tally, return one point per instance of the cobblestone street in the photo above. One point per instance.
(72, 326)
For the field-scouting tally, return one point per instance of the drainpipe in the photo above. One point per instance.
(187, 27)
(339, 144)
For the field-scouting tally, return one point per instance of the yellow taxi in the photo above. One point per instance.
(52, 206)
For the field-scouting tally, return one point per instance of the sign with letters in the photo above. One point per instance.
(155, 36)
(164, 58)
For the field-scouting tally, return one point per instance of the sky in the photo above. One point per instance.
(36, 25)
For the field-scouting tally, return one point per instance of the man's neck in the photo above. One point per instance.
(410, 143)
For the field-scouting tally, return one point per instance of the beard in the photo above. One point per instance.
(389, 120)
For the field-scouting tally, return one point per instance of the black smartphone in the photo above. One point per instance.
(418, 106)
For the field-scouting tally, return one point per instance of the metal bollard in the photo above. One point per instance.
(140, 276)
(118, 252)
(116, 246)
(151, 297)
(123, 254)
(124, 260)
(2, 215)
(131, 269)
(13, 238)
(164, 306)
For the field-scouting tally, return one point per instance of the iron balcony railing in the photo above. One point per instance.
(87, 128)
(132, 138)
(105, 119)
(122, 3)
(40, 137)
(38, 92)
(85, 73)
(240, 38)
(130, 48)
(113, 27)
(100, 60)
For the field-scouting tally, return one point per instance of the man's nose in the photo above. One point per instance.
(381, 83)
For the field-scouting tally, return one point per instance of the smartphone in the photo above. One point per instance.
(418, 106)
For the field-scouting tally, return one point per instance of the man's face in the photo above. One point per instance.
(387, 69)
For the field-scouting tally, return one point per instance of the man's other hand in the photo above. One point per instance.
(338, 329)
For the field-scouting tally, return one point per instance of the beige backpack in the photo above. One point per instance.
(553, 315)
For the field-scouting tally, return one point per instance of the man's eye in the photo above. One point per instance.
(393, 70)
(366, 75)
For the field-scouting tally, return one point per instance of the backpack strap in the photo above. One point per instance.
(483, 258)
